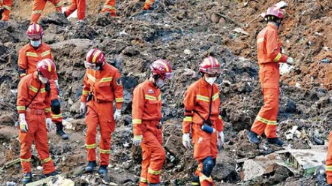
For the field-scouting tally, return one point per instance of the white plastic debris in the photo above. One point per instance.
(40, 168)
(285, 68)
(187, 51)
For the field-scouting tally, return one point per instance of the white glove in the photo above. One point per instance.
(220, 139)
(290, 61)
(117, 114)
(137, 140)
(23, 123)
(186, 140)
(49, 124)
(83, 108)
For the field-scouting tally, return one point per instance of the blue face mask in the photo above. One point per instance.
(35, 43)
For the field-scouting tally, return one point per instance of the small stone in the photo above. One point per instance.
(187, 51)
(215, 18)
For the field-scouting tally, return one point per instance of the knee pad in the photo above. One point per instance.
(208, 165)
(55, 106)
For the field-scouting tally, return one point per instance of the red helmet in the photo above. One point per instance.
(35, 31)
(210, 65)
(47, 68)
(275, 11)
(162, 68)
(95, 56)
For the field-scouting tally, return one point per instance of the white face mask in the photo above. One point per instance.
(35, 43)
(160, 83)
(42, 79)
(210, 80)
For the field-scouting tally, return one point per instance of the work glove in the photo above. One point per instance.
(58, 87)
(137, 140)
(220, 139)
(117, 114)
(186, 140)
(290, 61)
(49, 124)
(23, 123)
(83, 108)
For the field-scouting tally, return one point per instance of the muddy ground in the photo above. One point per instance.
(183, 32)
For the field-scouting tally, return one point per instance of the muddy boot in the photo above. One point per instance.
(275, 141)
(60, 132)
(1, 11)
(27, 178)
(195, 180)
(154, 184)
(54, 173)
(253, 137)
(102, 170)
(91, 166)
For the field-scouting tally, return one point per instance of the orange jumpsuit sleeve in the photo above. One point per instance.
(86, 88)
(273, 48)
(22, 96)
(22, 62)
(220, 124)
(56, 75)
(137, 110)
(117, 89)
(47, 103)
(189, 106)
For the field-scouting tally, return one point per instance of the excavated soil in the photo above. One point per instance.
(183, 32)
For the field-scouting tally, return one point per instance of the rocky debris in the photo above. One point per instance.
(184, 33)
(54, 18)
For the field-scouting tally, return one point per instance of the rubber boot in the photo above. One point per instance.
(154, 184)
(253, 137)
(60, 132)
(91, 166)
(27, 178)
(54, 173)
(102, 170)
(195, 180)
(275, 141)
(1, 11)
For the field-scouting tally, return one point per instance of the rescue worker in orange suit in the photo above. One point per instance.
(33, 106)
(109, 6)
(269, 56)
(148, 4)
(29, 55)
(80, 6)
(329, 161)
(146, 116)
(202, 119)
(102, 86)
(5, 8)
(38, 8)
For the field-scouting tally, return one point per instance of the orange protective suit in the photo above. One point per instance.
(105, 86)
(146, 116)
(269, 56)
(28, 59)
(38, 8)
(109, 6)
(329, 161)
(7, 5)
(197, 99)
(148, 4)
(35, 116)
(80, 6)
